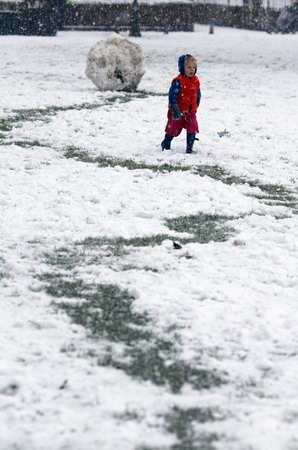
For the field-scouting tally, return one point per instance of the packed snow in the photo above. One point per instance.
(82, 168)
(115, 64)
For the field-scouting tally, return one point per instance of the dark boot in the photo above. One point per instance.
(166, 143)
(190, 139)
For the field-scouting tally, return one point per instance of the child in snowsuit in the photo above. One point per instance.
(184, 99)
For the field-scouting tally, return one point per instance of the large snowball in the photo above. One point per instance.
(115, 64)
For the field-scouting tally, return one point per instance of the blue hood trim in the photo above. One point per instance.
(181, 61)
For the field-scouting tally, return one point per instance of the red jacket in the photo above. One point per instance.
(187, 97)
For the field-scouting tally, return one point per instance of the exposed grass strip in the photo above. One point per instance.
(28, 115)
(107, 313)
(3, 272)
(25, 144)
(203, 227)
(181, 422)
(273, 194)
(107, 161)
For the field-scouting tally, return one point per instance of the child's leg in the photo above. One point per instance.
(173, 129)
(191, 128)
(190, 139)
(166, 143)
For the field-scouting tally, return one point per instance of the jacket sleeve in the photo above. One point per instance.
(199, 96)
(174, 91)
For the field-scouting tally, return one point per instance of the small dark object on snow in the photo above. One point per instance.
(176, 245)
(239, 243)
(64, 384)
(223, 133)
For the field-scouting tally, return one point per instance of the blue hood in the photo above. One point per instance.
(181, 61)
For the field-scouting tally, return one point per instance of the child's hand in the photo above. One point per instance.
(175, 111)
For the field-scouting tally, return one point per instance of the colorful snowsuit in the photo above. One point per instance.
(187, 100)
(185, 94)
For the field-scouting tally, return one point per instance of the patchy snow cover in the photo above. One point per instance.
(211, 361)
(115, 64)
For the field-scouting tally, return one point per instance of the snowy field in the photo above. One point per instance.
(112, 338)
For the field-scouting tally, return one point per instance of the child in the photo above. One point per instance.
(184, 99)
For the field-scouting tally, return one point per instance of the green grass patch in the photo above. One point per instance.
(273, 202)
(181, 423)
(39, 113)
(159, 363)
(100, 251)
(114, 244)
(130, 164)
(3, 273)
(28, 115)
(146, 94)
(204, 227)
(65, 258)
(107, 313)
(102, 160)
(276, 195)
(134, 267)
(270, 191)
(131, 95)
(128, 416)
(276, 192)
(219, 173)
(105, 310)
(273, 194)
(5, 125)
(25, 144)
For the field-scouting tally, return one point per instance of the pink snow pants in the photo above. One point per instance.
(188, 120)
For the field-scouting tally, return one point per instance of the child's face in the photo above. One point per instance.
(190, 69)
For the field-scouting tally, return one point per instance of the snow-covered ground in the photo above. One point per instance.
(275, 4)
(111, 338)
